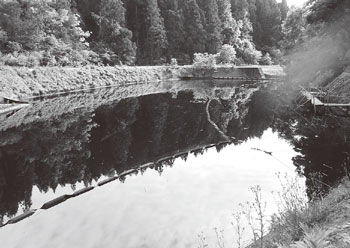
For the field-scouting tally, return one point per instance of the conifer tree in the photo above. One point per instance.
(239, 8)
(284, 9)
(213, 26)
(114, 39)
(156, 40)
(267, 24)
(175, 30)
(194, 28)
(230, 27)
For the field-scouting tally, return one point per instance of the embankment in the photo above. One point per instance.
(23, 83)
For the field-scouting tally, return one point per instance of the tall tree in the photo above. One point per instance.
(212, 26)
(156, 40)
(267, 24)
(49, 28)
(293, 29)
(230, 28)
(114, 39)
(239, 8)
(175, 30)
(195, 31)
(284, 9)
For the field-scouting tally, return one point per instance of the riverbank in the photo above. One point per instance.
(320, 223)
(24, 83)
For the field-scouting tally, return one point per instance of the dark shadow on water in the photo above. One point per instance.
(85, 143)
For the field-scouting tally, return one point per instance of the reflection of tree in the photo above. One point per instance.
(321, 142)
(148, 128)
(15, 183)
(324, 154)
(46, 154)
(82, 146)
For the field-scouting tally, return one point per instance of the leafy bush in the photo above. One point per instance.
(248, 53)
(22, 59)
(226, 55)
(173, 62)
(266, 59)
(204, 60)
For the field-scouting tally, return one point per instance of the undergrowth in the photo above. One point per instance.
(300, 222)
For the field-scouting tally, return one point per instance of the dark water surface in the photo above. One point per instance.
(194, 149)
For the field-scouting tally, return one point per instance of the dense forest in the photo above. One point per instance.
(146, 32)
(149, 32)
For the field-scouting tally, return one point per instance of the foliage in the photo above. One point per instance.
(173, 62)
(249, 54)
(266, 59)
(33, 31)
(314, 237)
(134, 31)
(317, 39)
(212, 25)
(204, 59)
(293, 28)
(194, 28)
(226, 55)
(114, 45)
(156, 40)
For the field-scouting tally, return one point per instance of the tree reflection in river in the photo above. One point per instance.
(84, 145)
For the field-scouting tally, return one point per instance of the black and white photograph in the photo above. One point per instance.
(174, 124)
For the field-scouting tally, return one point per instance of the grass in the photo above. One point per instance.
(322, 222)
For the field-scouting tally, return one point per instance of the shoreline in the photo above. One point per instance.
(23, 83)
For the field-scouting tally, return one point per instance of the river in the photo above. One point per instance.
(179, 159)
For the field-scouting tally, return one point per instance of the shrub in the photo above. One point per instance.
(173, 62)
(266, 59)
(226, 55)
(204, 59)
(22, 59)
(249, 54)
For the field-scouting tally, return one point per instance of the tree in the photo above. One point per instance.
(195, 32)
(156, 40)
(245, 46)
(230, 28)
(266, 59)
(239, 8)
(284, 9)
(114, 39)
(293, 29)
(175, 30)
(266, 23)
(226, 55)
(213, 26)
(48, 29)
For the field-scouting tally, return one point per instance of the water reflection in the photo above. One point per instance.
(71, 141)
(150, 210)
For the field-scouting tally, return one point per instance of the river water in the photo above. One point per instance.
(184, 156)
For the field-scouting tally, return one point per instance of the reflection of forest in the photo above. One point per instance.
(324, 146)
(81, 146)
(322, 140)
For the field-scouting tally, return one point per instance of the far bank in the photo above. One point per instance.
(23, 83)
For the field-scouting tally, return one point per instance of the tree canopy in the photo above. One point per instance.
(110, 32)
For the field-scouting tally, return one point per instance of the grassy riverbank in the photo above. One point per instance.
(322, 223)
(23, 82)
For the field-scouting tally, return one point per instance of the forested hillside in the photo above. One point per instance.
(317, 41)
(144, 32)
